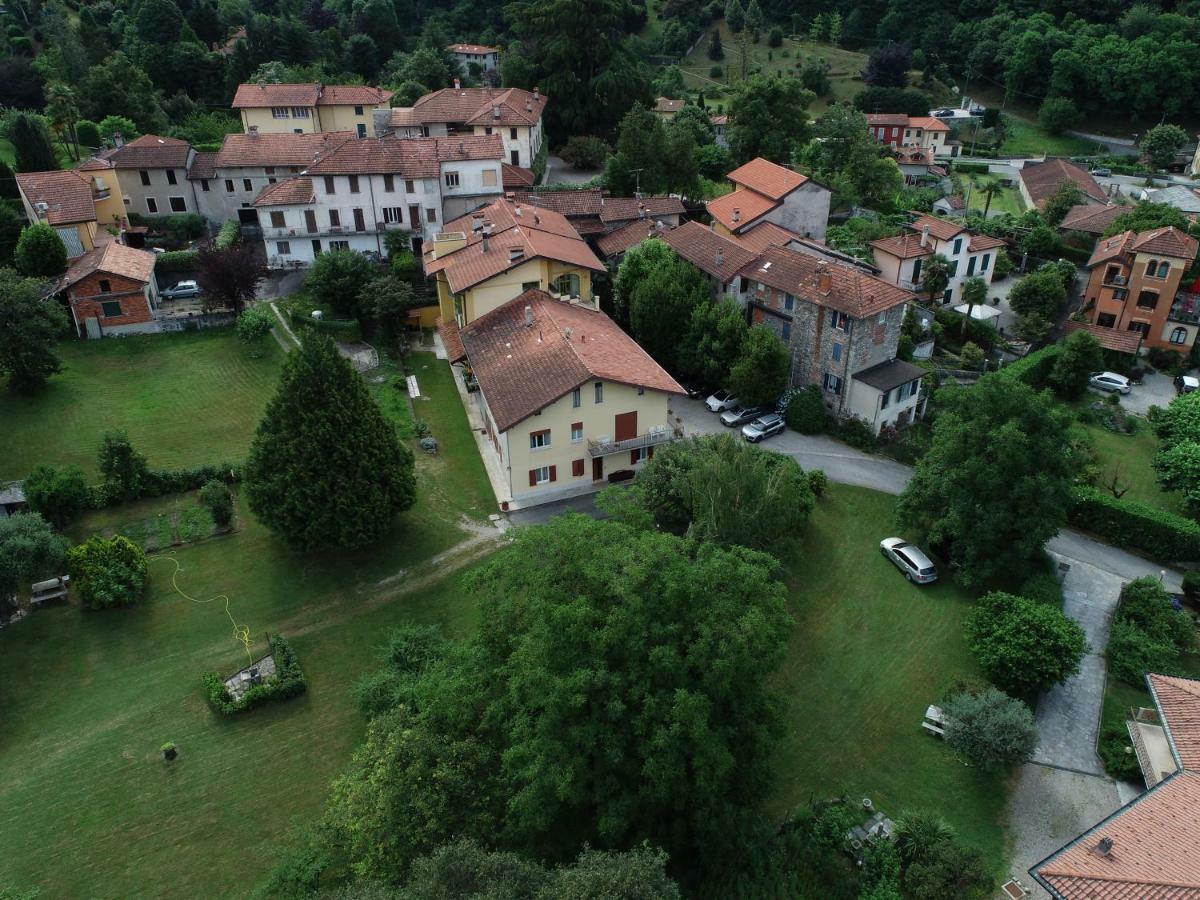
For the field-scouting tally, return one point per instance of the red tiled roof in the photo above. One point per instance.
(903, 246)
(719, 120)
(984, 242)
(1168, 241)
(289, 192)
(67, 194)
(476, 49)
(1042, 179)
(1178, 700)
(1111, 248)
(849, 289)
(204, 165)
(764, 235)
(515, 177)
(536, 233)
(629, 235)
(96, 164)
(667, 105)
(712, 253)
(474, 106)
(253, 96)
(928, 123)
(451, 340)
(114, 258)
(410, 157)
(1109, 338)
(150, 152)
(741, 208)
(767, 178)
(226, 49)
(1090, 218)
(622, 209)
(266, 149)
(899, 119)
(523, 368)
(569, 203)
(942, 229)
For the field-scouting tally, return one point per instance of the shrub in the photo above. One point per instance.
(339, 329)
(124, 468)
(805, 411)
(1043, 587)
(1127, 523)
(818, 481)
(1024, 647)
(715, 72)
(585, 152)
(856, 432)
(1145, 604)
(40, 252)
(183, 226)
(775, 37)
(288, 681)
(1057, 114)
(254, 324)
(217, 499)
(107, 573)
(983, 334)
(990, 728)
(230, 231)
(1191, 583)
(337, 278)
(57, 493)
(971, 356)
(88, 133)
(175, 261)
(1116, 752)
(1132, 653)
(1035, 368)
(29, 551)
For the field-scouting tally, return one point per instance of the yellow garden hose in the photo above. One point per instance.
(241, 633)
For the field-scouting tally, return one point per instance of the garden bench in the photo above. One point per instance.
(51, 589)
(934, 729)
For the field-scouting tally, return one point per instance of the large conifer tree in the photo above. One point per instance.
(326, 470)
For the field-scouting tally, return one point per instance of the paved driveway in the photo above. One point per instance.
(1156, 389)
(560, 172)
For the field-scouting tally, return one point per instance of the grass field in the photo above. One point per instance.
(1008, 200)
(1133, 454)
(185, 399)
(1027, 138)
(870, 651)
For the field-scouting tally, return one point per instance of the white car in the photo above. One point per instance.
(763, 427)
(721, 401)
(1109, 381)
(909, 559)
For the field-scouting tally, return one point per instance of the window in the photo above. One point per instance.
(329, 185)
(277, 220)
(354, 184)
(171, 179)
(512, 134)
(283, 248)
(451, 179)
(881, 319)
(789, 302)
(1111, 274)
(539, 439)
(487, 130)
(1179, 336)
(229, 185)
(1147, 300)
(1164, 269)
(300, 112)
(204, 185)
(358, 111)
(840, 320)
(1151, 268)
(577, 467)
(360, 223)
(599, 391)
(335, 219)
(271, 180)
(339, 245)
(576, 401)
(151, 205)
(530, 286)
(297, 131)
(916, 272)
(393, 215)
(832, 383)
(985, 262)
(389, 183)
(1106, 320)
(247, 184)
(576, 431)
(946, 296)
(316, 244)
(514, 157)
(279, 112)
(111, 308)
(957, 246)
(837, 352)
(786, 331)
(566, 284)
(178, 204)
(362, 130)
(105, 286)
(1142, 328)
(970, 266)
(409, 187)
(885, 399)
(145, 176)
(489, 178)
(270, 170)
(431, 215)
(544, 475)
(641, 454)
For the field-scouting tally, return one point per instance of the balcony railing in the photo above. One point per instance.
(911, 285)
(651, 438)
(1118, 280)
(1185, 309)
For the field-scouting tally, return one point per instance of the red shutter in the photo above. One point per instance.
(577, 467)
(633, 456)
(554, 473)
(650, 453)
(577, 426)
(533, 477)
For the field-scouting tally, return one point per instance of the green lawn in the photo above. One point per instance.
(1008, 200)
(185, 399)
(1027, 138)
(870, 651)
(1132, 455)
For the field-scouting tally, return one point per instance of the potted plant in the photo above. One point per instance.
(169, 751)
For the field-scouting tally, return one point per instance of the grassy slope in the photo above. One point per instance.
(1134, 453)
(869, 653)
(185, 399)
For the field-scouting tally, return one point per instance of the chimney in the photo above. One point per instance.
(925, 236)
(537, 220)
(641, 210)
(537, 95)
(567, 332)
(824, 283)
(495, 112)
(252, 131)
(457, 84)
(486, 241)
(1104, 848)
(462, 147)
(720, 258)
(517, 210)
(477, 223)
(737, 214)
(528, 316)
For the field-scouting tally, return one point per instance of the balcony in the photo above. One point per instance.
(652, 438)
(1185, 309)
(914, 286)
(1117, 280)
(1151, 745)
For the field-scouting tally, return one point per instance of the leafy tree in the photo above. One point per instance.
(1146, 216)
(888, 66)
(31, 143)
(761, 372)
(326, 469)
(1041, 241)
(229, 278)
(878, 99)
(651, 157)
(695, 121)
(935, 276)
(217, 499)
(1080, 356)
(1039, 293)
(990, 728)
(775, 37)
(108, 572)
(935, 864)
(63, 112)
(1067, 195)
(715, 51)
(29, 329)
(387, 299)
(118, 126)
(124, 468)
(1160, 144)
(806, 411)
(768, 118)
(690, 486)
(40, 252)
(992, 519)
(713, 161)
(1180, 421)
(9, 191)
(1032, 327)
(735, 15)
(971, 356)
(117, 87)
(1058, 114)
(337, 280)
(835, 28)
(424, 66)
(254, 324)
(1024, 647)
(1178, 469)
(713, 341)
(361, 56)
(158, 22)
(754, 17)
(846, 154)
(29, 551)
(656, 290)
(21, 84)
(974, 293)
(57, 493)
(586, 152)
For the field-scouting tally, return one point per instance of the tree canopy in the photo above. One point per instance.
(655, 291)
(768, 118)
(29, 329)
(1022, 645)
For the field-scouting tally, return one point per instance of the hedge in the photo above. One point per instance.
(974, 168)
(288, 681)
(176, 261)
(1127, 523)
(228, 235)
(1034, 369)
(158, 482)
(339, 329)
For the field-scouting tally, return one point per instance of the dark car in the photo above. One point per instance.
(740, 415)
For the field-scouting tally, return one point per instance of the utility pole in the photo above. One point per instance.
(637, 181)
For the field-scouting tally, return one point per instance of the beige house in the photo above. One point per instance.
(484, 259)
(80, 206)
(914, 132)
(308, 108)
(767, 192)
(901, 258)
(151, 172)
(569, 402)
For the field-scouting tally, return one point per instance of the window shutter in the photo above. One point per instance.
(533, 477)
(633, 456)
(577, 467)
(554, 473)
(650, 453)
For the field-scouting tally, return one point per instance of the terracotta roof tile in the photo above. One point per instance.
(451, 340)
(1109, 338)
(767, 178)
(899, 119)
(266, 149)
(523, 368)
(741, 208)
(204, 165)
(984, 242)
(516, 177)
(902, 246)
(353, 95)
(67, 194)
(1111, 248)
(253, 96)
(471, 106)
(569, 203)
(1168, 241)
(942, 229)
(849, 289)
(410, 157)
(928, 123)
(477, 49)
(296, 191)
(1089, 218)
(1178, 700)
(667, 105)
(622, 209)
(625, 237)
(1041, 180)
(151, 152)
(719, 120)
(96, 164)
(759, 237)
(113, 258)
(712, 253)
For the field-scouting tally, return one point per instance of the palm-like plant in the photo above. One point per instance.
(974, 294)
(990, 190)
(935, 275)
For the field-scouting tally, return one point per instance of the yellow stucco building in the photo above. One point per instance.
(80, 206)
(309, 108)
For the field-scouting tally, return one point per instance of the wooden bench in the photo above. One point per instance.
(934, 729)
(51, 589)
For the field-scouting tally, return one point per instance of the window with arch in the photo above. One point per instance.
(1152, 268)
(566, 284)
(1179, 336)
(1164, 269)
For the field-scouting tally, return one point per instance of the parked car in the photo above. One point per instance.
(909, 559)
(740, 415)
(763, 427)
(694, 389)
(1109, 381)
(721, 401)
(1185, 384)
(1102, 173)
(181, 291)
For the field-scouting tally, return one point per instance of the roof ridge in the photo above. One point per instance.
(543, 300)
